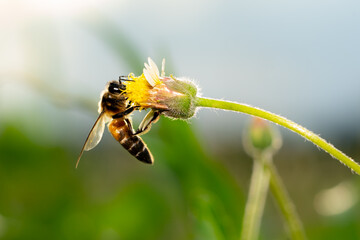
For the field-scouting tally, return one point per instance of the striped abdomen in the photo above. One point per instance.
(134, 144)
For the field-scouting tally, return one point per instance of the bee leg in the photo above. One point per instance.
(129, 106)
(128, 122)
(124, 113)
(152, 117)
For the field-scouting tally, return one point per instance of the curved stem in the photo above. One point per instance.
(244, 108)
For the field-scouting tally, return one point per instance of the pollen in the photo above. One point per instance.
(138, 90)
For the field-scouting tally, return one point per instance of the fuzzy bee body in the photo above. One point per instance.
(114, 108)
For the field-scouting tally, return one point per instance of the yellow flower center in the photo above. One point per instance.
(137, 91)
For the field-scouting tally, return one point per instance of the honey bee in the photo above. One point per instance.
(114, 108)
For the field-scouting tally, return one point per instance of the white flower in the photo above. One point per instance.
(173, 97)
(151, 73)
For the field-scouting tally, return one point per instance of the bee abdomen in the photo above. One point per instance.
(136, 146)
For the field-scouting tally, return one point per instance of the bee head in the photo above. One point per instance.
(116, 87)
(112, 98)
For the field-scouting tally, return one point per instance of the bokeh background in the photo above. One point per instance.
(299, 59)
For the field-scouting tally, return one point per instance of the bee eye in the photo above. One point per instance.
(114, 87)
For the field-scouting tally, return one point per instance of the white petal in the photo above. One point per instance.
(147, 67)
(146, 119)
(150, 71)
(153, 67)
(163, 68)
(148, 77)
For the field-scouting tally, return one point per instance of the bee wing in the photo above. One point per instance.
(95, 135)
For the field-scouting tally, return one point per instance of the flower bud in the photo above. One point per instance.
(180, 101)
(261, 137)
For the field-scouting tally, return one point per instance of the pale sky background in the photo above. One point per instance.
(299, 59)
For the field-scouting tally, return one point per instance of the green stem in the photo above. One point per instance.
(255, 204)
(238, 107)
(287, 208)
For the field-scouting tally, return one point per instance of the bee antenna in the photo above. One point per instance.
(125, 79)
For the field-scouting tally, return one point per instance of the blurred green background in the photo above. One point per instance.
(298, 59)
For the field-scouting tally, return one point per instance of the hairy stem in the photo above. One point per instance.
(286, 206)
(243, 108)
(255, 204)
